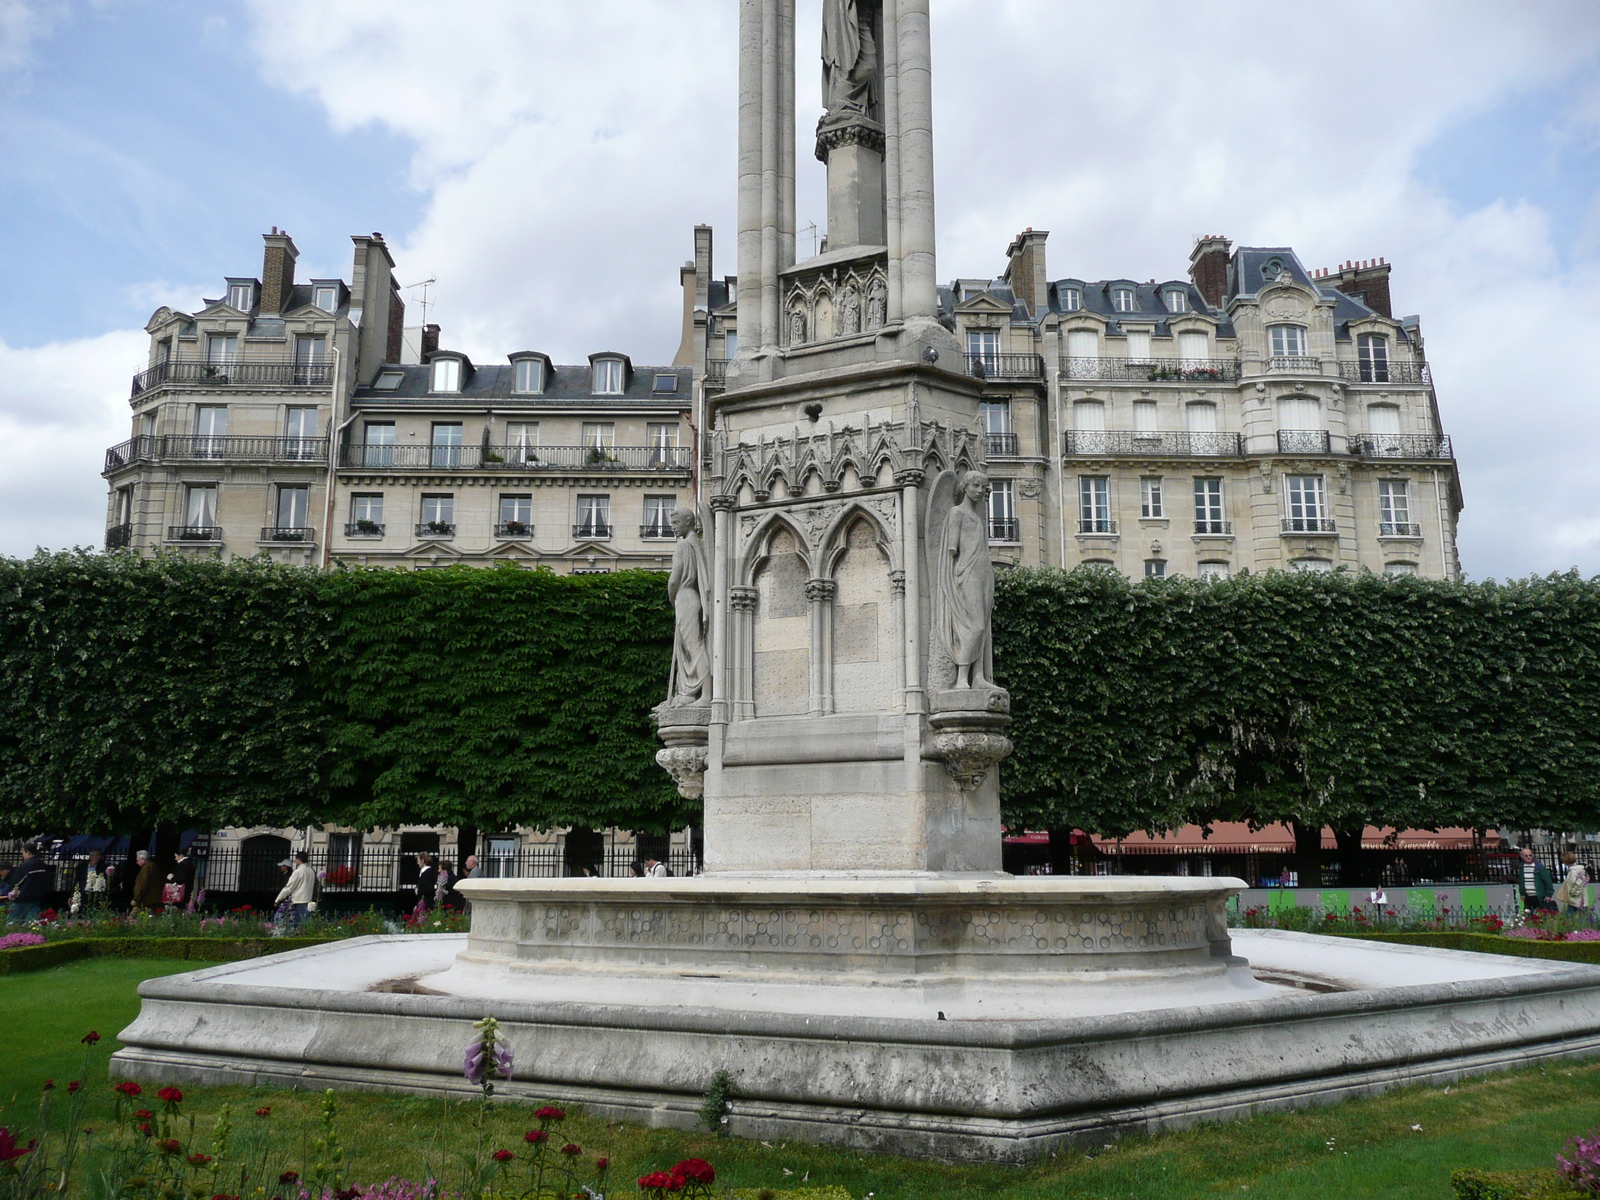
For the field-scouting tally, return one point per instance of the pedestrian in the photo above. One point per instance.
(179, 891)
(300, 889)
(1573, 894)
(473, 870)
(427, 882)
(146, 884)
(1538, 887)
(91, 883)
(29, 882)
(637, 868)
(654, 868)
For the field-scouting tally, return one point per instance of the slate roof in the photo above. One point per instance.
(563, 385)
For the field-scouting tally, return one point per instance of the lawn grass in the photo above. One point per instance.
(1352, 1151)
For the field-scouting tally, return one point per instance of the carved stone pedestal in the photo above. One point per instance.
(684, 728)
(853, 150)
(967, 732)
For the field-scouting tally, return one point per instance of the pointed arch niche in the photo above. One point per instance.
(781, 681)
(865, 623)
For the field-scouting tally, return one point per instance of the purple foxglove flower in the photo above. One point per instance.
(472, 1067)
(502, 1060)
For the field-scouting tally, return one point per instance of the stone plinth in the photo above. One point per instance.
(853, 151)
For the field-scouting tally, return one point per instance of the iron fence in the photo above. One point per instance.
(1303, 441)
(716, 371)
(1001, 445)
(252, 372)
(186, 448)
(1161, 445)
(1006, 366)
(1400, 445)
(1003, 529)
(288, 533)
(1295, 364)
(119, 536)
(1152, 370)
(1386, 372)
(518, 459)
(194, 533)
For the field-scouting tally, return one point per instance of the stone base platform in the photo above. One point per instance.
(969, 1061)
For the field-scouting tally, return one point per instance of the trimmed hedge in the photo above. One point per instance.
(1513, 1185)
(54, 954)
(1490, 943)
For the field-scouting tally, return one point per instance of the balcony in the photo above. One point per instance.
(194, 533)
(1152, 370)
(189, 448)
(1213, 529)
(591, 531)
(434, 531)
(364, 529)
(513, 531)
(1024, 368)
(1295, 364)
(1084, 443)
(1104, 526)
(1303, 441)
(1403, 373)
(1004, 529)
(119, 536)
(517, 459)
(656, 533)
(1002, 445)
(1312, 525)
(251, 372)
(288, 533)
(1399, 529)
(1400, 445)
(717, 372)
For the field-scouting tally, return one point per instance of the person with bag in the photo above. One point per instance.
(300, 890)
(93, 883)
(179, 887)
(1573, 895)
(146, 884)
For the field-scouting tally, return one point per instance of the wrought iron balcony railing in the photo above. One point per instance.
(1022, 367)
(1002, 445)
(1213, 528)
(1004, 529)
(1152, 370)
(513, 530)
(288, 533)
(436, 529)
(716, 371)
(248, 372)
(1400, 445)
(1403, 529)
(1309, 525)
(119, 536)
(173, 447)
(1295, 364)
(518, 459)
(651, 533)
(364, 529)
(594, 531)
(1303, 441)
(1102, 525)
(1389, 372)
(1168, 445)
(194, 533)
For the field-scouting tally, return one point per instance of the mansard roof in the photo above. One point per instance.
(562, 384)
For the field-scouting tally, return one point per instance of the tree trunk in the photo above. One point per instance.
(1355, 864)
(1308, 853)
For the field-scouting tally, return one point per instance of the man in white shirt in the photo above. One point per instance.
(300, 890)
(656, 869)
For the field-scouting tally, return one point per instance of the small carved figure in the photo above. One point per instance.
(797, 327)
(877, 304)
(963, 581)
(849, 57)
(849, 312)
(686, 589)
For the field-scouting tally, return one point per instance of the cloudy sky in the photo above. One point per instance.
(544, 160)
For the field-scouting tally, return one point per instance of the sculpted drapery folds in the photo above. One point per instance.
(850, 82)
(686, 588)
(963, 581)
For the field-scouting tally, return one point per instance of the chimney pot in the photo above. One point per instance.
(277, 272)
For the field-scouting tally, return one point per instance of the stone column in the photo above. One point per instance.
(786, 147)
(742, 600)
(897, 586)
(771, 116)
(752, 29)
(722, 507)
(820, 592)
(919, 271)
(910, 484)
(891, 156)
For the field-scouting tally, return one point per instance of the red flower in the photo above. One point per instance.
(263, 1112)
(696, 1170)
(49, 1085)
(536, 1136)
(549, 1113)
(9, 1148)
(144, 1114)
(289, 1177)
(502, 1156)
(171, 1095)
(601, 1163)
(169, 1146)
(569, 1148)
(145, 1129)
(90, 1038)
(74, 1086)
(349, 1193)
(129, 1089)
(660, 1181)
(199, 1160)
(224, 1196)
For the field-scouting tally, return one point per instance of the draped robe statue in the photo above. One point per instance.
(963, 581)
(686, 589)
(850, 83)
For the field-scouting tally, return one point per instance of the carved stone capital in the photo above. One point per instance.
(968, 754)
(687, 766)
(821, 591)
(910, 477)
(685, 728)
(743, 599)
(897, 582)
(967, 727)
(724, 503)
(857, 132)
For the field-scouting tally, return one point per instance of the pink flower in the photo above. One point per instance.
(535, 1136)
(502, 1156)
(9, 1148)
(550, 1113)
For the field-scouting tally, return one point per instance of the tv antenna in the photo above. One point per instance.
(812, 230)
(423, 303)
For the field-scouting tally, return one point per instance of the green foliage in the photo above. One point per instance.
(196, 949)
(1336, 700)
(714, 1107)
(1512, 1185)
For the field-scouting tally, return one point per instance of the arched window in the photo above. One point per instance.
(1286, 341)
(1373, 356)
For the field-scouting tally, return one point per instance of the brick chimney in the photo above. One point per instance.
(1208, 268)
(1025, 270)
(394, 344)
(277, 272)
(1367, 280)
(430, 341)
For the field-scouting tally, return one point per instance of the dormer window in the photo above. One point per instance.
(1177, 302)
(530, 375)
(1071, 299)
(665, 385)
(389, 381)
(608, 377)
(446, 375)
(1122, 299)
(326, 298)
(240, 296)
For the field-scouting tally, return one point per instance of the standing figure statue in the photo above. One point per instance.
(960, 650)
(686, 588)
(850, 83)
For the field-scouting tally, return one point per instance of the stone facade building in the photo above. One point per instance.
(1255, 415)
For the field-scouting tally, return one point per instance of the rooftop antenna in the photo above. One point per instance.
(812, 230)
(423, 303)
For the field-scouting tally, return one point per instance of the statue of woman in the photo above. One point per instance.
(963, 580)
(686, 587)
(849, 58)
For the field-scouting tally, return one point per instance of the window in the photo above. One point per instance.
(1208, 507)
(294, 507)
(658, 516)
(326, 298)
(1083, 343)
(1400, 568)
(996, 416)
(439, 511)
(1200, 417)
(662, 440)
(378, 447)
(608, 377)
(1307, 506)
(1178, 302)
(222, 348)
(447, 441)
(240, 296)
(530, 375)
(730, 342)
(599, 437)
(500, 862)
(594, 517)
(1089, 416)
(308, 358)
(1212, 570)
(1150, 506)
(984, 345)
(1373, 352)
(1003, 511)
(124, 508)
(522, 441)
(344, 853)
(1139, 344)
(1299, 412)
(1194, 347)
(1287, 341)
(1094, 504)
(1122, 299)
(146, 424)
(1155, 568)
(300, 432)
(210, 427)
(366, 515)
(200, 508)
(389, 381)
(1383, 420)
(665, 385)
(1071, 299)
(446, 375)
(1394, 509)
(516, 516)
(1145, 417)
